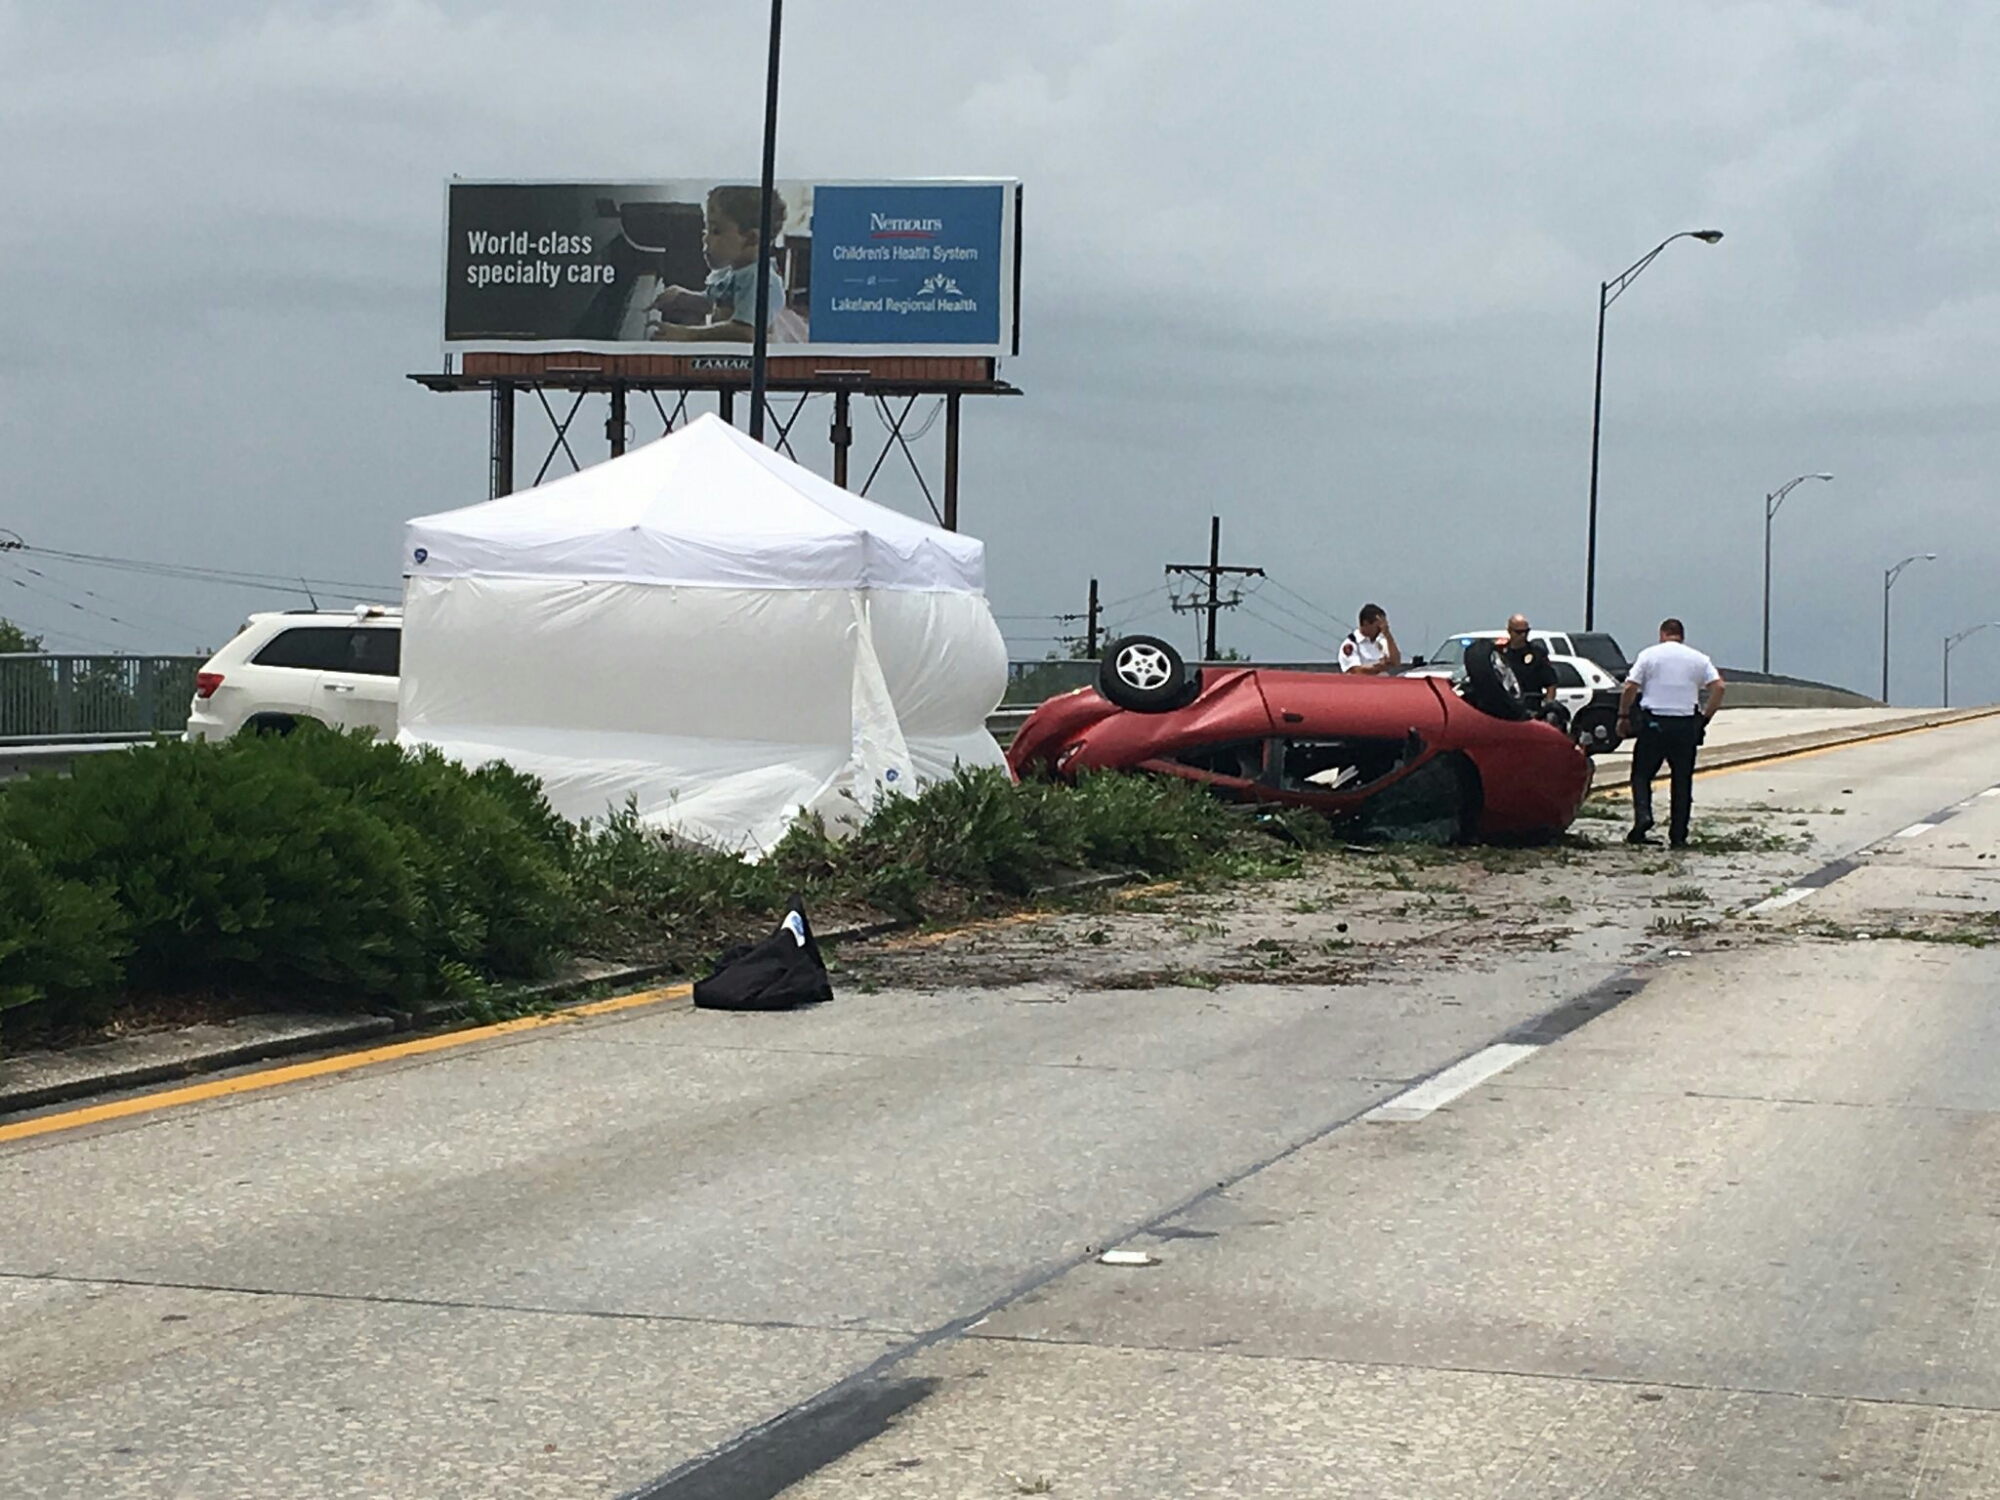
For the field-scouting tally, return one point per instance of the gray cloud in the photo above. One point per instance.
(1329, 273)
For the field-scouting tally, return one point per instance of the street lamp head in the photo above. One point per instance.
(1706, 236)
(1822, 476)
(1930, 557)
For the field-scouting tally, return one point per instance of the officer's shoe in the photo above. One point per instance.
(1639, 835)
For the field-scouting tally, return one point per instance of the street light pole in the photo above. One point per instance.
(1772, 503)
(1889, 578)
(1609, 292)
(1953, 640)
(761, 335)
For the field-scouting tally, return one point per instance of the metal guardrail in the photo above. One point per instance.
(48, 696)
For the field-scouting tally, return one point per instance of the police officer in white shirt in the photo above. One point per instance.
(1668, 681)
(1372, 649)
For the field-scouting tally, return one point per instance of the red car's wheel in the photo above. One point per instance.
(1143, 673)
(1490, 686)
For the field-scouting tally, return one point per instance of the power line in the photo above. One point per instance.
(43, 632)
(1295, 616)
(23, 583)
(291, 584)
(1282, 629)
(1319, 609)
(157, 619)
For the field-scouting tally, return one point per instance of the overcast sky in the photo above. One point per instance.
(1328, 270)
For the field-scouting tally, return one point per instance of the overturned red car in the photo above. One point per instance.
(1388, 757)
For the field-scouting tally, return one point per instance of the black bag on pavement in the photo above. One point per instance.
(782, 971)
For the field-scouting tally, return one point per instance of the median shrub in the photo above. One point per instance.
(483, 849)
(233, 868)
(60, 940)
(316, 865)
(334, 869)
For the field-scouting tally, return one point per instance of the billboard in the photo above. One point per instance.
(909, 267)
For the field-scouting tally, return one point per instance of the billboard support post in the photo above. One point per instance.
(561, 425)
(951, 461)
(841, 436)
(500, 461)
(894, 387)
(761, 330)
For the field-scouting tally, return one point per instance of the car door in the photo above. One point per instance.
(360, 692)
(1572, 692)
(284, 680)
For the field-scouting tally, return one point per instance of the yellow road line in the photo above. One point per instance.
(1809, 751)
(320, 1067)
(270, 1078)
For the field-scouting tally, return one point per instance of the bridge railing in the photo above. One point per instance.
(51, 696)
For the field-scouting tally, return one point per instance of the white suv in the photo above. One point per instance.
(320, 667)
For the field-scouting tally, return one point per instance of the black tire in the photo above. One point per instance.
(1143, 673)
(1596, 731)
(278, 724)
(1555, 715)
(1490, 685)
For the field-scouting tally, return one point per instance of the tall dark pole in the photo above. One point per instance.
(1214, 573)
(762, 334)
(1773, 503)
(951, 461)
(1953, 640)
(1766, 668)
(1609, 292)
(500, 460)
(842, 437)
(1090, 625)
(1888, 580)
(1596, 425)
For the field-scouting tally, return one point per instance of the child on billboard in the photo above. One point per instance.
(725, 309)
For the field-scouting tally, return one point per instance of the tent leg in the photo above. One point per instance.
(614, 426)
(843, 438)
(500, 462)
(951, 461)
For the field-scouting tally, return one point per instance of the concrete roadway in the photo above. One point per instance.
(1738, 1235)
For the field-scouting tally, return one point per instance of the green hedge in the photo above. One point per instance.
(316, 864)
(333, 869)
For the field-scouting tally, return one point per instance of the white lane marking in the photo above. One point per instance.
(1459, 1078)
(1779, 902)
(1991, 791)
(1914, 830)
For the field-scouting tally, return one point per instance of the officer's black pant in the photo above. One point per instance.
(1672, 741)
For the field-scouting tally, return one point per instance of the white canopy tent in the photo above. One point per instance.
(706, 629)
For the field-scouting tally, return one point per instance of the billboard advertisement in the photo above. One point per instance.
(909, 267)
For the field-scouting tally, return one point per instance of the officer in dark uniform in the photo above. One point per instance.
(1536, 678)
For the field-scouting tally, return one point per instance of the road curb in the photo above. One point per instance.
(33, 1081)
(36, 1080)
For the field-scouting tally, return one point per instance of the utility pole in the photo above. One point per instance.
(1213, 571)
(1090, 627)
(761, 333)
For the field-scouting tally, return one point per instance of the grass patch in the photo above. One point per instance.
(1752, 840)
